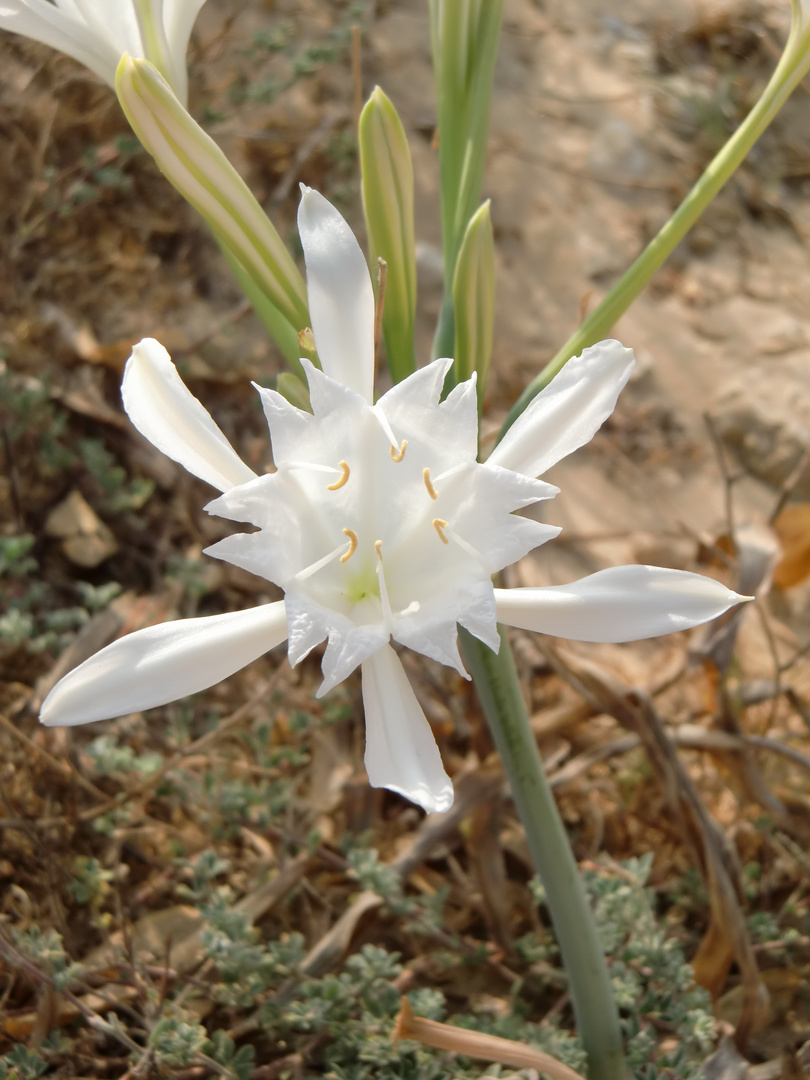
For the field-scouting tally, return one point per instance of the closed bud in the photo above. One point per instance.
(387, 185)
(474, 300)
(195, 165)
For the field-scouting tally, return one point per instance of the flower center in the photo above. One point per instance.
(397, 518)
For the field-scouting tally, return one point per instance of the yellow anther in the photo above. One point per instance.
(352, 535)
(398, 455)
(339, 483)
(378, 549)
(439, 525)
(306, 339)
(431, 490)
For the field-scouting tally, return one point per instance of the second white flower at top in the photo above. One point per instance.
(378, 523)
(97, 33)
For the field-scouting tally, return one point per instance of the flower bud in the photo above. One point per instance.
(474, 300)
(202, 174)
(387, 185)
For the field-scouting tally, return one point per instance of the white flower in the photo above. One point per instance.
(378, 523)
(97, 33)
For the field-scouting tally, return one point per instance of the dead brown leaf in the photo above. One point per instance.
(477, 1044)
(792, 526)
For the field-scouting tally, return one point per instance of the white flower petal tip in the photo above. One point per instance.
(401, 752)
(568, 412)
(162, 663)
(164, 410)
(623, 603)
(341, 298)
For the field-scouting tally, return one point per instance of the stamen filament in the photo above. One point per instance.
(439, 525)
(343, 479)
(451, 472)
(431, 490)
(468, 548)
(385, 603)
(352, 535)
(319, 564)
(291, 466)
(382, 420)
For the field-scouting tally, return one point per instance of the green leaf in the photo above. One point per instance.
(464, 40)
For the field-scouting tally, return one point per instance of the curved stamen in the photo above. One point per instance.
(398, 455)
(343, 479)
(352, 535)
(439, 524)
(431, 490)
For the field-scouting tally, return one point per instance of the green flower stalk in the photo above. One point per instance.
(498, 687)
(464, 38)
(387, 186)
(464, 41)
(792, 68)
(202, 174)
(474, 300)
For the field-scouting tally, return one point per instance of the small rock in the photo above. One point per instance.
(86, 540)
(617, 151)
(764, 416)
(781, 334)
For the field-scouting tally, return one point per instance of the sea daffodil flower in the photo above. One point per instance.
(97, 33)
(379, 524)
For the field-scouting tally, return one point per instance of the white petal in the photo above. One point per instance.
(623, 603)
(288, 425)
(569, 412)
(162, 408)
(178, 20)
(253, 502)
(432, 629)
(401, 752)
(62, 30)
(259, 553)
(328, 394)
(447, 431)
(114, 23)
(410, 397)
(341, 299)
(349, 643)
(162, 663)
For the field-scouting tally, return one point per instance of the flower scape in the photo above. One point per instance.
(379, 524)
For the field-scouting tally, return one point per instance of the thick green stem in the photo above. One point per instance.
(281, 331)
(789, 72)
(496, 682)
